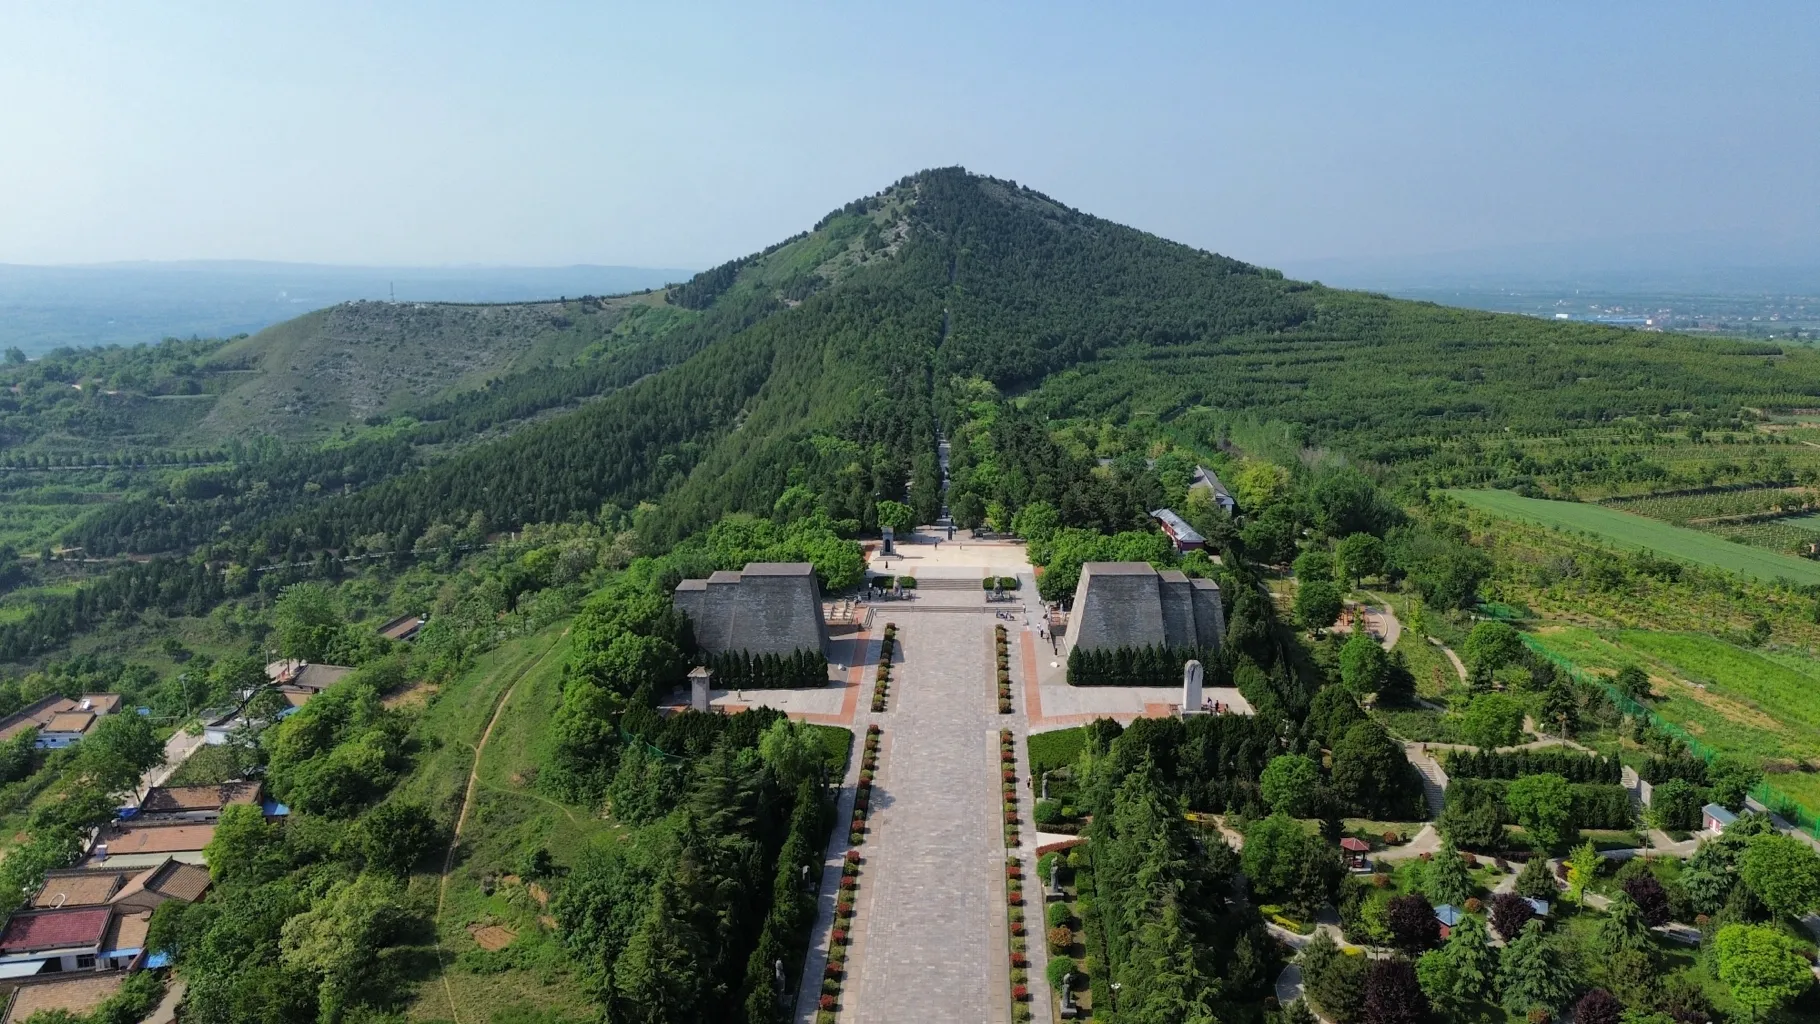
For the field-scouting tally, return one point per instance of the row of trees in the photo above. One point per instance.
(1550, 808)
(1132, 666)
(1511, 764)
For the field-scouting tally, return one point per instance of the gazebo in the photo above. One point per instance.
(1354, 850)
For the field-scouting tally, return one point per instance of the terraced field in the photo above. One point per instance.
(1627, 530)
(1761, 706)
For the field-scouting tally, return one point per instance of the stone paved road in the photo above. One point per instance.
(932, 931)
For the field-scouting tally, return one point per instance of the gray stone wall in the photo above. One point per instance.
(1178, 608)
(1209, 614)
(769, 608)
(1131, 604)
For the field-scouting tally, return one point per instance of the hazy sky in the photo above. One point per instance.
(677, 134)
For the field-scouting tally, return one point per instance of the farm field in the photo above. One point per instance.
(1639, 532)
(1753, 705)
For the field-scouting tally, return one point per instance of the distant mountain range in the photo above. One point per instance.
(44, 307)
(1703, 262)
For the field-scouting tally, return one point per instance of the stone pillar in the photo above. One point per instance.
(890, 534)
(701, 678)
(1191, 687)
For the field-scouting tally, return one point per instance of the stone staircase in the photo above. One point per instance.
(948, 583)
(1434, 780)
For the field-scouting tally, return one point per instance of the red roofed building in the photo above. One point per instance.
(71, 937)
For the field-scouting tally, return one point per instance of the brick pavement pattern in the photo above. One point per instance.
(932, 931)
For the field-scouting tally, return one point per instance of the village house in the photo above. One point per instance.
(124, 846)
(181, 804)
(60, 721)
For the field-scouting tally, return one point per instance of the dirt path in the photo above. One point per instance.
(467, 803)
(1393, 626)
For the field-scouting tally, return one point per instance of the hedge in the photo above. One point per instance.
(1513, 764)
(1596, 804)
(743, 668)
(1686, 767)
(1132, 666)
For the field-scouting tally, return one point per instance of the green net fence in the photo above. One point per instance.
(1776, 800)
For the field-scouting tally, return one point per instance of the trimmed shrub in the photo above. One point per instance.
(1060, 939)
(1057, 914)
(1059, 968)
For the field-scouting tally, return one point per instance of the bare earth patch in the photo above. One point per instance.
(1734, 710)
(491, 937)
(415, 695)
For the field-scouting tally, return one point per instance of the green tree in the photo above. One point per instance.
(1532, 974)
(1272, 854)
(1357, 556)
(306, 621)
(1462, 970)
(1622, 930)
(1560, 709)
(1764, 968)
(244, 846)
(1314, 563)
(338, 938)
(900, 517)
(1536, 881)
(1582, 868)
(1783, 871)
(1731, 779)
(1289, 783)
(1363, 664)
(1493, 720)
(1036, 522)
(1317, 604)
(1633, 682)
(117, 751)
(1445, 878)
(396, 836)
(1492, 645)
(1371, 774)
(1544, 806)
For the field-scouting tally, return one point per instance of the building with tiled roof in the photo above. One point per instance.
(194, 803)
(70, 937)
(77, 888)
(60, 721)
(170, 879)
(143, 846)
(74, 994)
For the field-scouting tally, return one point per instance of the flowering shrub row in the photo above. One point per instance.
(834, 976)
(1004, 670)
(886, 648)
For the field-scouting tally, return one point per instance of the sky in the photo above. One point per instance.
(682, 135)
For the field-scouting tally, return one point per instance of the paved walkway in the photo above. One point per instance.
(930, 925)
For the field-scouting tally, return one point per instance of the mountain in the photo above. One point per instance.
(364, 359)
(832, 360)
(46, 307)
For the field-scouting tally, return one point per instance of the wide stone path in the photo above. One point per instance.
(930, 942)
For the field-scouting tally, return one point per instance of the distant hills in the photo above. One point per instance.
(42, 308)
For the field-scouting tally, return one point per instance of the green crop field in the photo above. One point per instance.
(1633, 531)
(1761, 706)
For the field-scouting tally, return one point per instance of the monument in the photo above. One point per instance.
(1191, 687)
(766, 608)
(1133, 605)
(701, 681)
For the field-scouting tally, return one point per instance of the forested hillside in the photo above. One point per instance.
(852, 331)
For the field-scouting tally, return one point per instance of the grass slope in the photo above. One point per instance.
(345, 363)
(508, 820)
(1733, 699)
(1638, 532)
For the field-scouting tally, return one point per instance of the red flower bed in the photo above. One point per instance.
(849, 882)
(1020, 992)
(827, 1002)
(833, 970)
(839, 936)
(1017, 927)
(1019, 960)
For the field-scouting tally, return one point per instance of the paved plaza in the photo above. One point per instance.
(931, 929)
